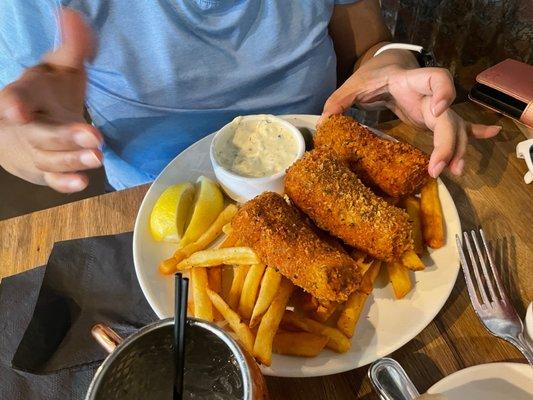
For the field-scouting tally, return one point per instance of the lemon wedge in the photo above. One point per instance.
(209, 204)
(170, 212)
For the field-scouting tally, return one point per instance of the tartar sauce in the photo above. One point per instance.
(257, 148)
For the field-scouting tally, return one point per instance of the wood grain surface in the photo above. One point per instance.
(491, 194)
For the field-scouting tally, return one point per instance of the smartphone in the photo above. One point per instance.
(497, 100)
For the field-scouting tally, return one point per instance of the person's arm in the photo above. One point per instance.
(357, 31)
(419, 96)
(44, 138)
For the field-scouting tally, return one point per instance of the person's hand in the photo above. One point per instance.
(420, 97)
(43, 136)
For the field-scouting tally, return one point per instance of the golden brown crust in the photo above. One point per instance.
(281, 238)
(324, 188)
(396, 168)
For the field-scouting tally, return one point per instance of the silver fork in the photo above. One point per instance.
(497, 312)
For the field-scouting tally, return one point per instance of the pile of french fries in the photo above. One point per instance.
(266, 312)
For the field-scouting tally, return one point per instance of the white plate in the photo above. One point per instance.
(386, 325)
(496, 381)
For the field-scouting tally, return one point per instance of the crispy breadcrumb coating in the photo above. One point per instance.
(281, 238)
(397, 168)
(324, 188)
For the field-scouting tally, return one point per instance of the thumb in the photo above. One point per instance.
(77, 43)
(340, 100)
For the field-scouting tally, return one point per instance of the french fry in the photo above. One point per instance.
(168, 266)
(250, 289)
(228, 241)
(353, 307)
(324, 311)
(209, 235)
(431, 215)
(336, 339)
(216, 257)
(411, 261)
(270, 323)
(400, 279)
(365, 265)
(362, 260)
(303, 344)
(244, 334)
(202, 305)
(239, 275)
(214, 277)
(351, 312)
(367, 283)
(412, 206)
(227, 229)
(269, 287)
(227, 279)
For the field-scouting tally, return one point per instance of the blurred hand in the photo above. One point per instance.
(43, 136)
(420, 97)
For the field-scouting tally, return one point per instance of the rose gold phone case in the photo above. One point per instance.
(513, 78)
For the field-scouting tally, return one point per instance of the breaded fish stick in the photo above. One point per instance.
(397, 168)
(283, 240)
(325, 189)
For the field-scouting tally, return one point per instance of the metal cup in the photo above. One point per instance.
(141, 367)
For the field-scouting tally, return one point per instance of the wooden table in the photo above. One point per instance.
(491, 194)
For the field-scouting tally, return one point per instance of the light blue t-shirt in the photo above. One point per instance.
(169, 72)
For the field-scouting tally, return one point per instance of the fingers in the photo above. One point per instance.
(67, 161)
(16, 104)
(77, 43)
(434, 82)
(38, 91)
(457, 164)
(484, 131)
(444, 140)
(63, 138)
(340, 100)
(66, 182)
(450, 142)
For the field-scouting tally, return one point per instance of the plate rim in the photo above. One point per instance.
(266, 371)
(441, 385)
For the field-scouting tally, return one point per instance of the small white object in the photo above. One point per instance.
(523, 151)
(495, 381)
(242, 188)
(401, 46)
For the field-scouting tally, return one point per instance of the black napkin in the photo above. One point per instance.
(46, 349)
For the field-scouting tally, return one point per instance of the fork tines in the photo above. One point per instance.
(483, 280)
(497, 313)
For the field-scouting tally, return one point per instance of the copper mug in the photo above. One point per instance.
(141, 366)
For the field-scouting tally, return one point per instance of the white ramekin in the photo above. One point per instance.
(241, 188)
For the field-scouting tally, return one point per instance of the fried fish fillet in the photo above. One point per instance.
(323, 187)
(283, 240)
(397, 168)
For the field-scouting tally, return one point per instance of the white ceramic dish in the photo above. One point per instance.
(386, 325)
(496, 381)
(242, 188)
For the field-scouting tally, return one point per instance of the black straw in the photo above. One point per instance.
(181, 291)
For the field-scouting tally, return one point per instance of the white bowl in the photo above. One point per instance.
(242, 188)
